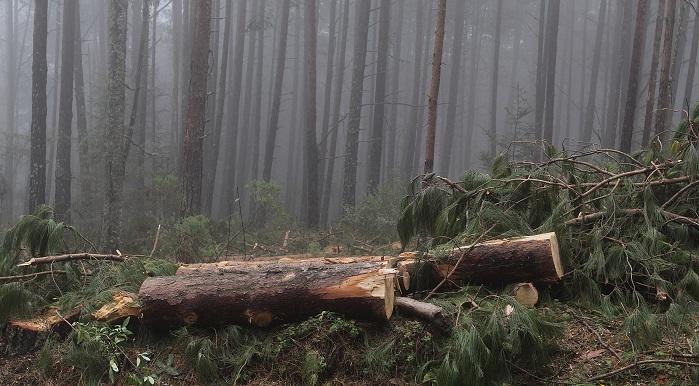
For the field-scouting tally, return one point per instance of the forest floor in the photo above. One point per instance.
(359, 353)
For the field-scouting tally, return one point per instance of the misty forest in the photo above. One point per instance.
(349, 192)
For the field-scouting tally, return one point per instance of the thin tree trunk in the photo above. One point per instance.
(257, 105)
(678, 54)
(665, 85)
(210, 139)
(243, 155)
(493, 133)
(7, 198)
(51, 167)
(141, 108)
(390, 164)
(692, 62)
(277, 93)
(116, 88)
(639, 42)
(37, 170)
(377, 127)
(454, 86)
(540, 74)
(175, 101)
(196, 110)
(475, 54)
(623, 21)
(590, 108)
(327, 93)
(569, 97)
(655, 60)
(552, 20)
(65, 114)
(583, 68)
(434, 86)
(86, 193)
(411, 137)
(337, 100)
(153, 92)
(355, 107)
(310, 153)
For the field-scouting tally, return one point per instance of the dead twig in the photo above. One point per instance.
(155, 242)
(641, 363)
(70, 257)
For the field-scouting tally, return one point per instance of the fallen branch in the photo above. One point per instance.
(30, 276)
(587, 218)
(640, 363)
(70, 257)
(426, 311)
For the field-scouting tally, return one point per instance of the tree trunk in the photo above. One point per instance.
(65, 114)
(552, 20)
(175, 100)
(590, 109)
(665, 82)
(355, 107)
(678, 54)
(454, 85)
(624, 17)
(540, 74)
(337, 101)
(116, 88)
(269, 295)
(142, 107)
(413, 125)
(390, 164)
(257, 105)
(196, 110)
(583, 68)
(377, 128)
(277, 93)
(51, 159)
(86, 193)
(310, 147)
(692, 63)
(655, 59)
(228, 180)
(37, 169)
(639, 42)
(475, 54)
(327, 93)
(493, 133)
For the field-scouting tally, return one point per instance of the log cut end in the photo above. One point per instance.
(123, 305)
(526, 294)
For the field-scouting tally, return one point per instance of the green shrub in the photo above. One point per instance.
(190, 240)
(375, 217)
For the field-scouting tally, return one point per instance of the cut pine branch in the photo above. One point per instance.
(70, 257)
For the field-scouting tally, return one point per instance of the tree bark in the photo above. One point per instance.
(413, 124)
(623, 11)
(678, 54)
(355, 107)
(277, 93)
(540, 73)
(652, 80)
(639, 42)
(116, 88)
(493, 132)
(594, 75)
(390, 164)
(475, 53)
(665, 81)
(551, 38)
(63, 176)
(175, 100)
(327, 94)
(86, 192)
(310, 146)
(269, 295)
(377, 128)
(37, 168)
(196, 110)
(692, 62)
(257, 105)
(337, 102)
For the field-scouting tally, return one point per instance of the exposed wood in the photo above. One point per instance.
(70, 257)
(122, 306)
(28, 335)
(270, 294)
(526, 294)
(426, 311)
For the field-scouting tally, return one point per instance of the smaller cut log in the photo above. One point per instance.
(526, 294)
(526, 259)
(261, 295)
(123, 305)
(27, 335)
(427, 312)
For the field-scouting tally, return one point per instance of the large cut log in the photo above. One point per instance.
(232, 265)
(526, 259)
(269, 293)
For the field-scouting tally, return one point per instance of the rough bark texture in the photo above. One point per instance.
(355, 107)
(37, 167)
(277, 93)
(196, 110)
(434, 85)
(639, 42)
(268, 295)
(65, 114)
(527, 259)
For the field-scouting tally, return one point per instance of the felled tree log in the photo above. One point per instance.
(232, 265)
(527, 259)
(270, 293)
(27, 335)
